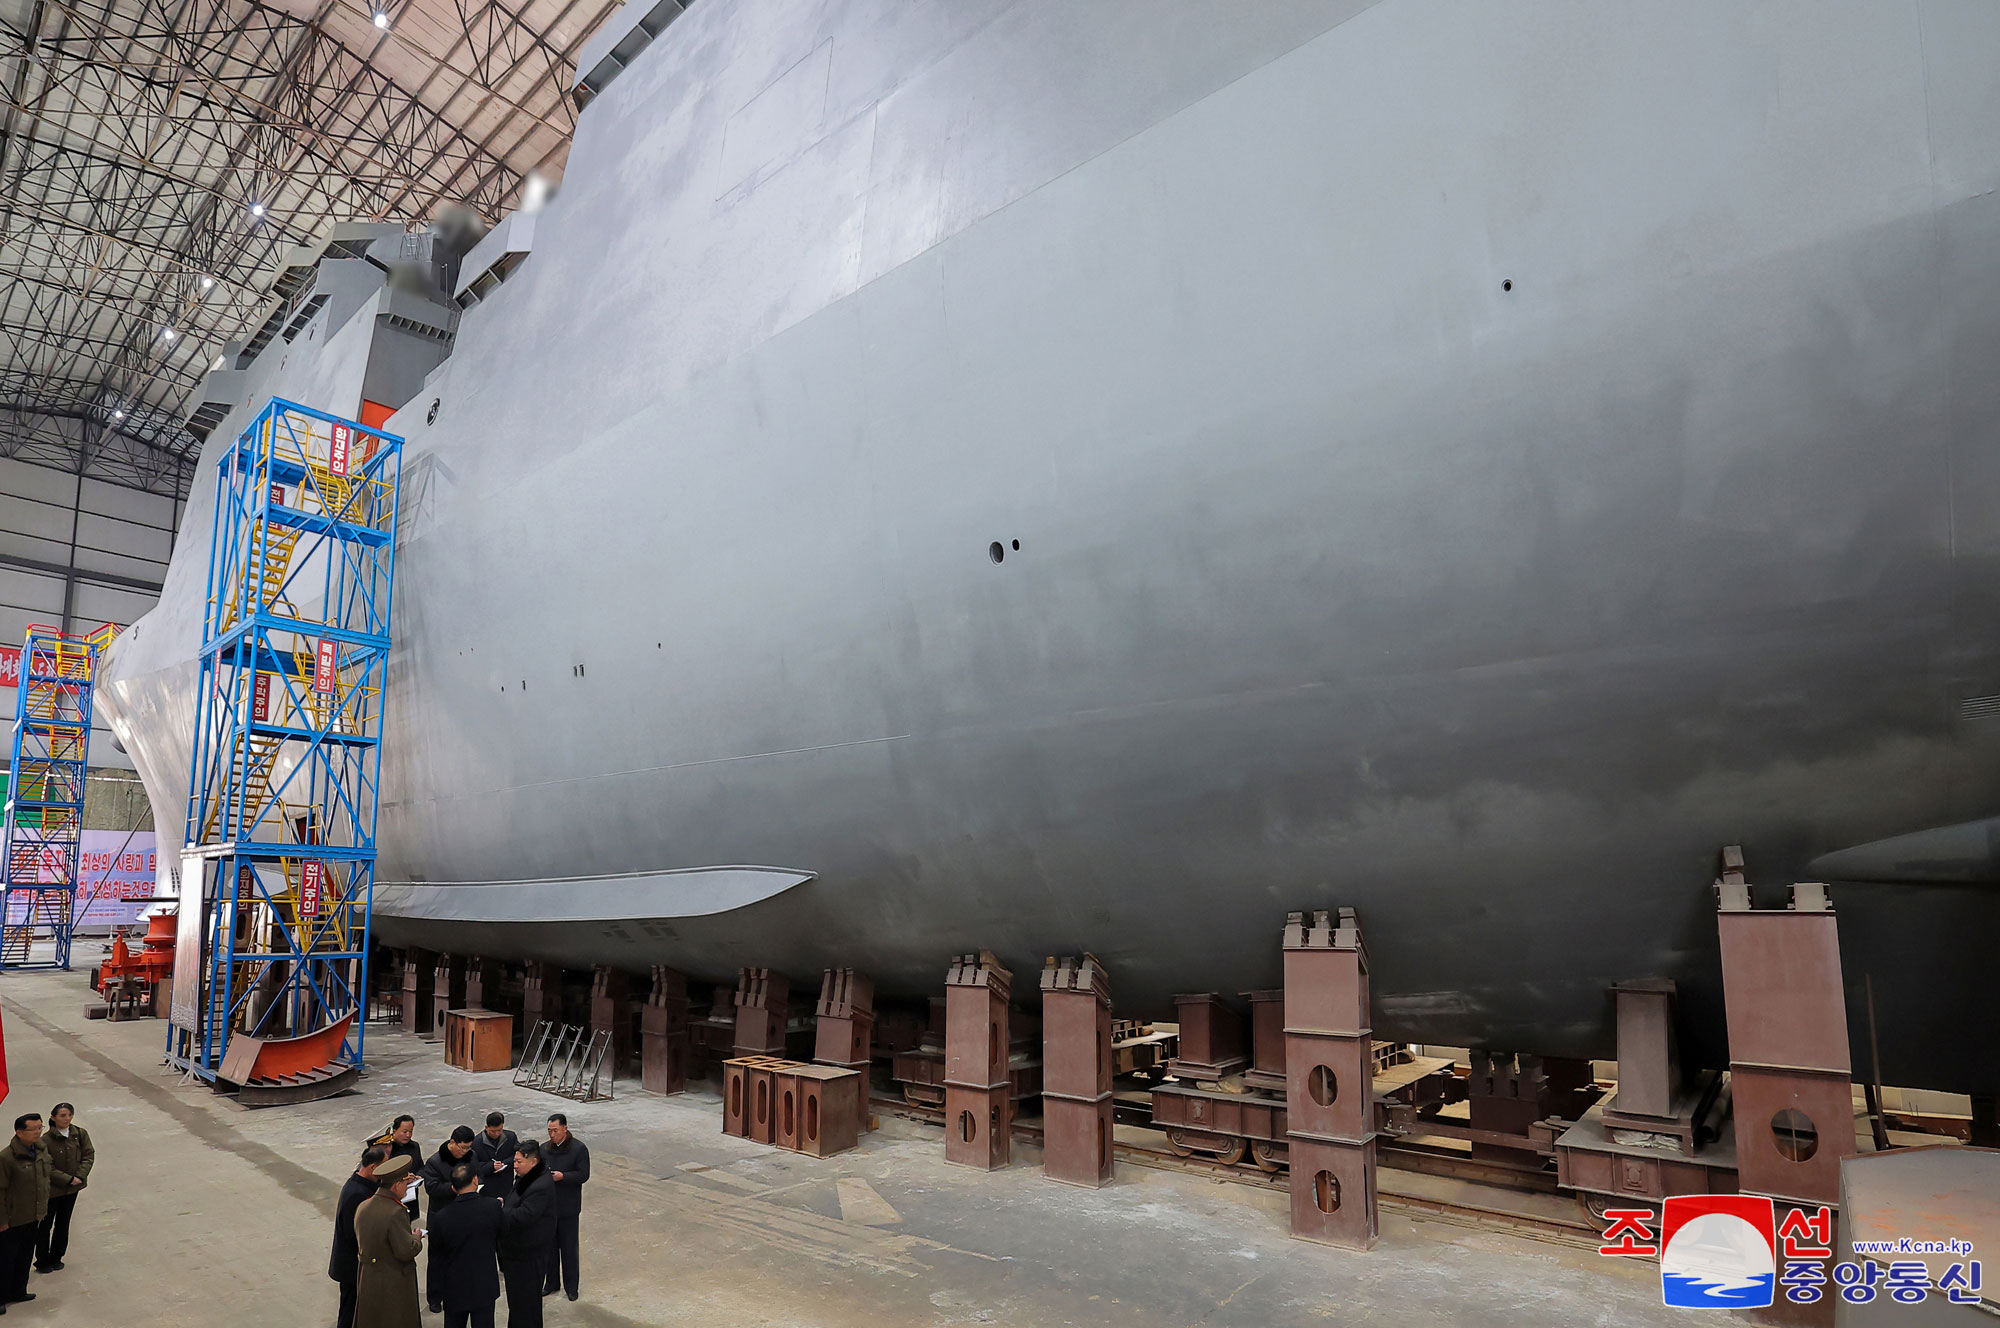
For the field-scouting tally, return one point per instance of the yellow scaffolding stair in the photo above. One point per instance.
(263, 758)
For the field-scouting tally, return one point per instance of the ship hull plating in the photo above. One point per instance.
(1465, 465)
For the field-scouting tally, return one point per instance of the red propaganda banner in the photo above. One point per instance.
(10, 666)
(337, 451)
(324, 666)
(261, 697)
(311, 881)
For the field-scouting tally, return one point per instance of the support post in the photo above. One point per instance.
(541, 995)
(763, 1001)
(418, 1006)
(845, 1029)
(1329, 1080)
(1076, 1071)
(978, 1116)
(475, 983)
(611, 1011)
(442, 976)
(1211, 1040)
(1789, 1073)
(663, 1033)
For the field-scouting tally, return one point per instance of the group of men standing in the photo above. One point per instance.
(41, 1175)
(503, 1211)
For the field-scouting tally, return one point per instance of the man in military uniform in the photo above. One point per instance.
(386, 1249)
(24, 1202)
(341, 1267)
(71, 1157)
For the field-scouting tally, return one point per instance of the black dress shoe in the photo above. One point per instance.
(570, 1294)
(18, 1299)
(437, 1307)
(56, 1267)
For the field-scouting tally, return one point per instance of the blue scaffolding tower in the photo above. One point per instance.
(278, 870)
(44, 820)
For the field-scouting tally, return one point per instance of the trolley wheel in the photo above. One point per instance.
(1596, 1206)
(1266, 1158)
(1174, 1142)
(1233, 1151)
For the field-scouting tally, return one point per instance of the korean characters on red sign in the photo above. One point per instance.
(312, 879)
(340, 449)
(325, 663)
(1630, 1232)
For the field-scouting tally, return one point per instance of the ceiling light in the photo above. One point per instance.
(168, 334)
(382, 19)
(207, 283)
(117, 414)
(256, 209)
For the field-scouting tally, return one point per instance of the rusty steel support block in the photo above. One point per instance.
(1267, 1040)
(978, 1115)
(1076, 1071)
(475, 983)
(611, 1012)
(762, 1005)
(1211, 1045)
(446, 973)
(418, 1006)
(1789, 1072)
(1329, 1098)
(541, 995)
(845, 1028)
(663, 1033)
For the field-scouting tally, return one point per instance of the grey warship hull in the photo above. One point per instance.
(1055, 477)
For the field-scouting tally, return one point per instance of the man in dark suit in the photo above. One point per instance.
(401, 1141)
(438, 1188)
(341, 1267)
(493, 1153)
(464, 1242)
(568, 1162)
(527, 1236)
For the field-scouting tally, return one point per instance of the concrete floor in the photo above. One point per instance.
(203, 1213)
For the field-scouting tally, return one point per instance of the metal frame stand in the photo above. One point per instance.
(278, 869)
(43, 829)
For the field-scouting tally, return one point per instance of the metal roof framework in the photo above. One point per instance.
(159, 159)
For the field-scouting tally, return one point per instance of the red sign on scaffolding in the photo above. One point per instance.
(337, 450)
(246, 884)
(261, 697)
(324, 665)
(311, 881)
(277, 495)
(10, 666)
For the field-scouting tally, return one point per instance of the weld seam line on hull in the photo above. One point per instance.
(653, 769)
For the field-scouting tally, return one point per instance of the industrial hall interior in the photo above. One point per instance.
(1063, 663)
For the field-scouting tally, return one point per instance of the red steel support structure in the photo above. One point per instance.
(611, 1011)
(1076, 1072)
(442, 976)
(418, 1008)
(1329, 1080)
(978, 1116)
(663, 1033)
(763, 1001)
(845, 1030)
(475, 983)
(541, 995)
(1789, 1073)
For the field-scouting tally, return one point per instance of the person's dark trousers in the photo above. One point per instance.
(479, 1318)
(17, 1255)
(432, 1297)
(524, 1294)
(52, 1236)
(562, 1256)
(346, 1316)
